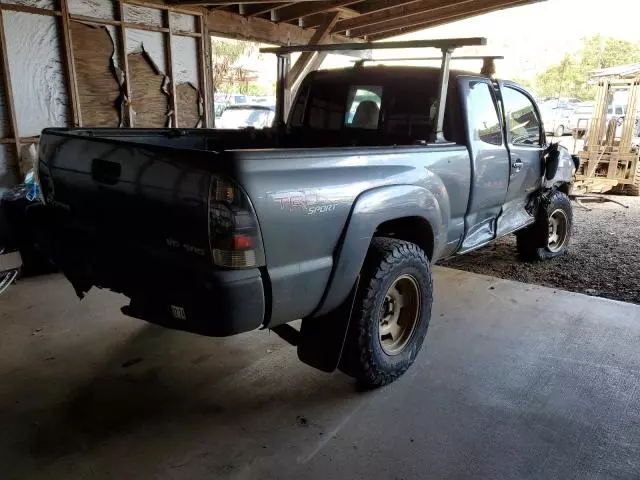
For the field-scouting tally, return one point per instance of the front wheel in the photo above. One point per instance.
(391, 313)
(549, 236)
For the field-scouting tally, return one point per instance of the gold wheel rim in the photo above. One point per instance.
(399, 314)
(557, 230)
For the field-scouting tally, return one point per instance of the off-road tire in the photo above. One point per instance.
(630, 189)
(363, 356)
(532, 242)
(634, 188)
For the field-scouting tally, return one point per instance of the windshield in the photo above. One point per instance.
(244, 117)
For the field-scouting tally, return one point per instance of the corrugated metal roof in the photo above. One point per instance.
(629, 70)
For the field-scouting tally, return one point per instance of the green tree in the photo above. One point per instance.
(570, 77)
(225, 57)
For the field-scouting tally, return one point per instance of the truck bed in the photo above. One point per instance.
(119, 201)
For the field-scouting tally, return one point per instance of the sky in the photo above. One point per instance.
(532, 37)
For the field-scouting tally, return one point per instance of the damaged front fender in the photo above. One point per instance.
(559, 166)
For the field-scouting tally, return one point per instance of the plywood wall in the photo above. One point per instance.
(94, 63)
(98, 87)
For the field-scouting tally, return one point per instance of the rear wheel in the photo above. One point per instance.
(391, 313)
(549, 236)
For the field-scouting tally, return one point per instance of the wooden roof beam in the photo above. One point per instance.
(354, 25)
(218, 5)
(416, 25)
(249, 2)
(321, 35)
(428, 14)
(305, 9)
(368, 9)
(312, 21)
(231, 25)
(262, 8)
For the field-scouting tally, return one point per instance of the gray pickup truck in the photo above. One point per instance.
(333, 217)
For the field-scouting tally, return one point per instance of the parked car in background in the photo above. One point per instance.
(243, 116)
(222, 100)
(556, 117)
(578, 121)
(262, 100)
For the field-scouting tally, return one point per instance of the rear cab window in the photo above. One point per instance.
(363, 107)
(403, 112)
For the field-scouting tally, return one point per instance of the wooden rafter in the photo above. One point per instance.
(304, 9)
(371, 10)
(262, 8)
(414, 26)
(380, 5)
(217, 4)
(227, 24)
(232, 2)
(357, 25)
(320, 36)
(430, 11)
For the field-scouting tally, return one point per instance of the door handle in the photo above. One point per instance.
(517, 165)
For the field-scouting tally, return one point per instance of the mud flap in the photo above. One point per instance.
(322, 338)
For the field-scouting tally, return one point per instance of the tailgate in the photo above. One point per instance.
(119, 197)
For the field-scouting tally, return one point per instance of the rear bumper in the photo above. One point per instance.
(192, 296)
(225, 303)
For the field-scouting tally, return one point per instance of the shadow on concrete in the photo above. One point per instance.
(155, 379)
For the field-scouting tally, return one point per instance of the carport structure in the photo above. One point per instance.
(147, 63)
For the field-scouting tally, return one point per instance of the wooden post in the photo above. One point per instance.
(169, 73)
(8, 91)
(70, 66)
(204, 69)
(128, 112)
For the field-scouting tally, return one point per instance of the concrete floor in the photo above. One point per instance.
(516, 381)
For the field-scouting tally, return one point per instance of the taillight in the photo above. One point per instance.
(233, 228)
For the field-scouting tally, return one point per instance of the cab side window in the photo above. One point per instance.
(483, 116)
(523, 123)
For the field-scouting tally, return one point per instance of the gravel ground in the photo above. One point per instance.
(603, 258)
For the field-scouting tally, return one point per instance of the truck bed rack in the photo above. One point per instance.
(446, 46)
